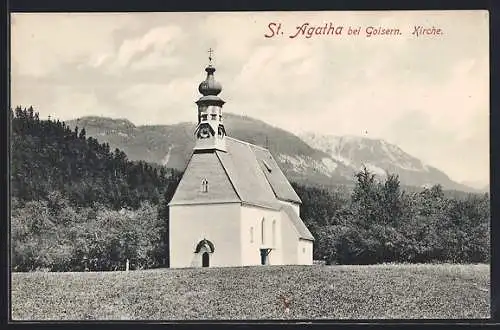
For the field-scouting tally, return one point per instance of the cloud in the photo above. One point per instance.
(41, 43)
(376, 99)
(85, 104)
(429, 95)
(151, 50)
(220, 31)
(291, 71)
(170, 102)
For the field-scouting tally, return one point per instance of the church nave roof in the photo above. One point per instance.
(246, 173)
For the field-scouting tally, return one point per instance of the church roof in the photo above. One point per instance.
(245, 173)
(247, 166)
(204, 166)
(297, 222)
(242, 168)
(279, 183)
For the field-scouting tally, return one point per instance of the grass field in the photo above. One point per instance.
(324, 292)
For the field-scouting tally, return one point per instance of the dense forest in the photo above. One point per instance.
(48, 156)
(379, 222)
(76, 205)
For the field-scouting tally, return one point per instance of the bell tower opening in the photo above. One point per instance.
(210, 132)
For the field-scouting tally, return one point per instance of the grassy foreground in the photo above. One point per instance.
(326, 292)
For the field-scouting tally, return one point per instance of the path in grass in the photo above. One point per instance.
(329, 292)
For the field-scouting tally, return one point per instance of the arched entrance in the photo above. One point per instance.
(204, 249)
(205, 260)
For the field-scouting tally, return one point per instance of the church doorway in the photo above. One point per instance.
(264, 256)
(205, 260)
(204, 249)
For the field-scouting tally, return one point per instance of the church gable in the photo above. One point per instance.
(204, 181)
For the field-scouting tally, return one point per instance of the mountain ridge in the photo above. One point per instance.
(381, 157)
(305, 158)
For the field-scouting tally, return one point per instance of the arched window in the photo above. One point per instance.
(274, 232)
(251, 234)
(204, 185)
(263, 233)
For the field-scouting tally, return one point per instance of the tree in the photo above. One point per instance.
(82, 134)
(392, 201)
(365, 199)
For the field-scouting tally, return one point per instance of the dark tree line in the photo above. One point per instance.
(379, 222)
(48, 156)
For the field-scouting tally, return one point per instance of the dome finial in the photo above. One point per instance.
(210, 86)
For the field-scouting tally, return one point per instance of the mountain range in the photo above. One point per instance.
(308, 158)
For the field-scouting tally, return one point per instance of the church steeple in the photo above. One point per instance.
(210, 132)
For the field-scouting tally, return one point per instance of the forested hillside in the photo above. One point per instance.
(78, 206)
(48, 156)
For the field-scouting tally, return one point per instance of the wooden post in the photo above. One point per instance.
(127, 266)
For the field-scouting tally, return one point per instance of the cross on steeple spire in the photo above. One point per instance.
(210, 51)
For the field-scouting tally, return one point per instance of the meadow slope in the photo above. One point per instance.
(326, 292)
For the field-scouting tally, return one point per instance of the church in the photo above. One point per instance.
(233, 205)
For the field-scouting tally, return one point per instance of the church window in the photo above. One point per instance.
(274, 232)
(204, 185)
(204, 116)
(263, 233)
(214, 116)
(251, 234)
(303, 250)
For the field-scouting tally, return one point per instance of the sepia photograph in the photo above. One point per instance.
(281, 165)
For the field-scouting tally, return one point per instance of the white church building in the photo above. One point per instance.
(233, 205)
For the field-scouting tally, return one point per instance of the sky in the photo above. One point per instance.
(428, 94)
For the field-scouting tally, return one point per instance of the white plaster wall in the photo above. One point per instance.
(305, 252)
(211, 142)
(218, 223)
(251, 216)
(290, 241)
(299, 256)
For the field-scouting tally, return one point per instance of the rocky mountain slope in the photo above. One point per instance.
(311, 158)
(380, 157)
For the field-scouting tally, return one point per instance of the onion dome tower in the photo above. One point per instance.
(210, 132)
